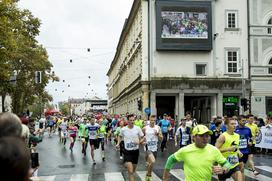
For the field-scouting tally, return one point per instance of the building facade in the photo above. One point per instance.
(166, 68)
(261, 56)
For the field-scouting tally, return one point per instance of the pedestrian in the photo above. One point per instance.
(252, 150)
(117, 134)
(228, 143)
(73, 133)
(102, 135)
(14, 159)
(217, 131)
(165, 127)
(133, 137)
(245, 141)
(93, 132)
(183, 135)
(199, 158)
(152, 134)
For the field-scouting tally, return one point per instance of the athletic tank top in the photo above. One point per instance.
(151, 138)
(231, 156)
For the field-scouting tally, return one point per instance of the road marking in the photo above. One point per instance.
(114, 176)
(265, 168)
(81, 177)
(43, 178)
(178, 173)
(259, 177)
(142, 175)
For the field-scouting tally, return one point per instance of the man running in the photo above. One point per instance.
(64, 133)
(152, 134)
(254, 131)
(84, 136)
(93, 131)
(117, 134)
(199, 158)
(165, 127)
(102, 134)
(245, 141)
(228, 143)
(133, 137)
(183, 133)
(217, 131)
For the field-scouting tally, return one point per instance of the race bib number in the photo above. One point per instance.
(233, 159)
(101, 135)
(185, 139)
(131, 146)
(243, 143)
(152, 145)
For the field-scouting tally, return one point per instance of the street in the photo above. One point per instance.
(57, 163)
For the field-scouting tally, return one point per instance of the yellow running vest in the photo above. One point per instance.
(231, 140)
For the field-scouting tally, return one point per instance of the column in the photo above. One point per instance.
(181, 106)
(219, 104)
(153, 103)
(213, 106)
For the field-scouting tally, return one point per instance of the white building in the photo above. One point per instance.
(261, 56)
(83, 106)
(205, 80)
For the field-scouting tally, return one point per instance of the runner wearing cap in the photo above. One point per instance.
(200, 158)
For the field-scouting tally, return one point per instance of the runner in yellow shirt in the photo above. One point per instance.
(200, 158)
(228, 143)
(254, 131)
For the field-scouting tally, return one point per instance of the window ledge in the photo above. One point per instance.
(232, 29)
(232, 75)
(201, 75)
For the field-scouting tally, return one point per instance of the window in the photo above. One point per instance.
(270, 66)
(201, 69)
(232, 19)
(232, 61)
(269, 30)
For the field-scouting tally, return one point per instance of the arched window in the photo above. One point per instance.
(269, 30)
(270, 66)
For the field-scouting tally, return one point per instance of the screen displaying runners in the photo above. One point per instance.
(185, 25)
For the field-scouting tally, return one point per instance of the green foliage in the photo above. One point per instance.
(64, 108)
(21, 55)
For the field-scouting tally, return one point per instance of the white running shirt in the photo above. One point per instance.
(151, 137)
(131, 137)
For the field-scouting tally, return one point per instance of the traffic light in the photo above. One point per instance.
(245, 103)
(139, 102)
(248, 104)
(38, 77)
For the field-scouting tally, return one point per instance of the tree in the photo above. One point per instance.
(64, 108)
(22, 56)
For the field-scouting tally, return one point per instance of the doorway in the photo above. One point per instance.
(165, 104)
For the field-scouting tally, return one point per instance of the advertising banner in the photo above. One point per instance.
(264, 138)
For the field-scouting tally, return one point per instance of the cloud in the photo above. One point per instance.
(78, 25)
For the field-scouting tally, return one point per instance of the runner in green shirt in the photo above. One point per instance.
(200, 158)
(101, 138)
(139, 122)
(84, 136)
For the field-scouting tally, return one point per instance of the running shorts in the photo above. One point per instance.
(131, 156)
(229, 173)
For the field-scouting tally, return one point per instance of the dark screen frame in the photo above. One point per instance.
(183, 44)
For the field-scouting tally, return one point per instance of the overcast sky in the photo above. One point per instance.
(68, 28)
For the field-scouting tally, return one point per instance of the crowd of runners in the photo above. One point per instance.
(224, 147)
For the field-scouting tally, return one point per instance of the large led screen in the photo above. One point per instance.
(183, 25)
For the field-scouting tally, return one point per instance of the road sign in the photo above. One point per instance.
(147, 110)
